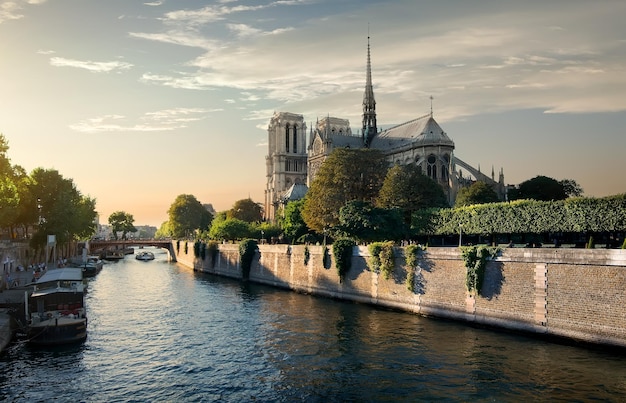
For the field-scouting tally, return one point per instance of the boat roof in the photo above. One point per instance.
(65, 273)
(48, 291)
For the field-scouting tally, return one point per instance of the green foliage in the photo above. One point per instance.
(364, 222)
(178, 246)
(247, 249)
(264, 230)
(292, 223)
(342, 252)
(307, 255)
(213, 249)
(527, 216)
(346, 175)
(478, 193)
(196, 249)
(475, 259)
(407, 189)
(246, 210)
(591, 243)
(410, 279)
(411, 253)
(186, 247)
(374, 260)
(64, 211)
(229, 229)
(624, 244)
(121, 221)
(186, 215)
(382, 257)
(325, 256)
(540, 188)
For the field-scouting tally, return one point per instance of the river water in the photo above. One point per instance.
(160, 332)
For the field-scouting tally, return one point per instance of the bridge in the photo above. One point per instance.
(99, 245)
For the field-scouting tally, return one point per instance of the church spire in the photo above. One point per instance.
(369, 104)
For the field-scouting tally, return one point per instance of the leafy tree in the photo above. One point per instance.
(478, 193)
(362, 221)
(407, 189)
(9, 201)
(571, 188)
(540, 188)
(123, 222)
(229, 229)
(292, 222)
(246, 210)
(64, 212)
(345, 175)
(163, 231)
(186, 215)
(265, 230)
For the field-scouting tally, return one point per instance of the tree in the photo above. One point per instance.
(229, 229)
(407, 189)
(571, 188)
(186, 215)
(540, 188)
(122, 221)
(64, 212)
(292, 222)
(345, 175)
(9, 201)
(478, 193)
(246, 210)
(363, 221)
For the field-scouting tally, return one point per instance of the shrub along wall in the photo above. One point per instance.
(571, 293)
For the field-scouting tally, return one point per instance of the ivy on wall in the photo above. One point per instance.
(382, 257)
(247, 248)
(475, 259)
(342, 251)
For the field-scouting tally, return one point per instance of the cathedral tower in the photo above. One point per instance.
(286, 161)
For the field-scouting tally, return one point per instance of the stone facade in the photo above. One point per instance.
(575, 294)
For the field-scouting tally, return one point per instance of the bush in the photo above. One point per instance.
(247, 249)
(475, 258)
(342, 251)
(374, 261)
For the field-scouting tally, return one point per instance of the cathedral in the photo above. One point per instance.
(291, 163)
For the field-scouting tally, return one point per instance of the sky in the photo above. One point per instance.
(139, 102)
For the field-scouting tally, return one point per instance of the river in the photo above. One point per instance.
(160, 332)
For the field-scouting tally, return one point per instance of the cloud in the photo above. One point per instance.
(472, 59)
(162, 120)
(97, 67)
(12, 10)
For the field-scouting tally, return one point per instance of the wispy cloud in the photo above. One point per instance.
(12, 10)
(162, 120)
(96, 67)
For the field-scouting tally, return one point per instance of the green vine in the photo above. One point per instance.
(475, 258)
(247, 248)
(325, 256)
(387, 259)
(374, 260)
(410, 279)
(307, 255)
(624, 244)
(213, 250)
(203, 250)
(186, 247)
(178, 246)
(342, 251)
(196, 249)
(411, 253)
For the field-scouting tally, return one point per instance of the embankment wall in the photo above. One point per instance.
(578, 294)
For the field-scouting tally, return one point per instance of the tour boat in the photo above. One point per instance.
(144, 255)
(91, 266)
(57, 308)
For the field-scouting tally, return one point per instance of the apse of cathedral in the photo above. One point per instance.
(292, 163)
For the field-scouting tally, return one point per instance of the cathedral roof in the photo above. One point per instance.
(423, 131)
(295, 192)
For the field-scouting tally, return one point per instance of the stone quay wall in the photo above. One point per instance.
(576, 294)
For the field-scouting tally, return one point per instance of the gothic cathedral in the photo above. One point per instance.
(421, 142)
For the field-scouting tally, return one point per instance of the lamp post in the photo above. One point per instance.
(460, 234)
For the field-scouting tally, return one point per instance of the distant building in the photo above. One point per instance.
(421, 142)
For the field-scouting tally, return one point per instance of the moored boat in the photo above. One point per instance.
(91, 266)
(57, 308)
(144, 255)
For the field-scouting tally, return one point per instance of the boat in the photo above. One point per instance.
(91, 265)
(113, 255)
(144, 255)
(56, 308)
